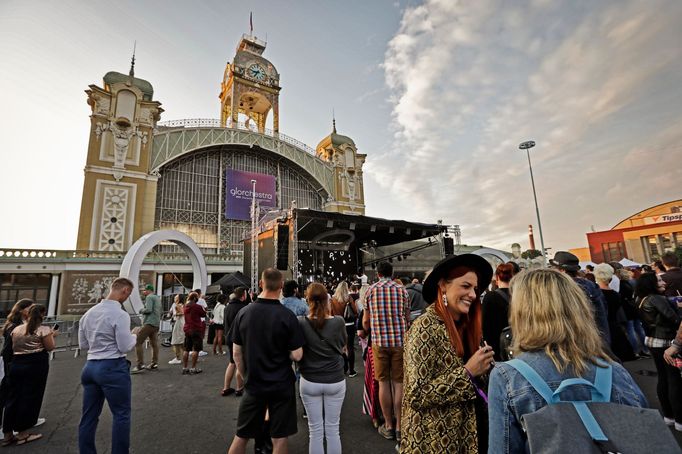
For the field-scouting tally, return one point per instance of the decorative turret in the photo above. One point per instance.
(341, 152)
(119, 194)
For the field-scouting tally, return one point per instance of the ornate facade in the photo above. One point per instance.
(142, 175)
(119, 193)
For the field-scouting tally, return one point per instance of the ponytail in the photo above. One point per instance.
(318, 300)
(35, 318)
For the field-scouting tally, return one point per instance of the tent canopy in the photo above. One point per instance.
(629, 263)
(232, 280)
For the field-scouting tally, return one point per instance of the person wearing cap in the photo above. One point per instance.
(568, 263)
(444, 362)
(151, 314)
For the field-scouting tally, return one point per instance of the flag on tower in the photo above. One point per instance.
(251, 21)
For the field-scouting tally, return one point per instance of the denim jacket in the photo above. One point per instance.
(511, 396)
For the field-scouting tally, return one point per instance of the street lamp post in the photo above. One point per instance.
(527, 146)
(254, 239)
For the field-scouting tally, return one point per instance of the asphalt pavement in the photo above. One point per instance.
(173, 413)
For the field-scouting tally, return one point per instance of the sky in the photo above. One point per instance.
(438, 94)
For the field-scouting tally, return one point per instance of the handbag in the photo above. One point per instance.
(325, 341)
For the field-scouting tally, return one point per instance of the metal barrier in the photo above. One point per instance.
(67, 339)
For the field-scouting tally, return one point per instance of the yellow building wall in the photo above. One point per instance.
(583, 253)
(639, 218)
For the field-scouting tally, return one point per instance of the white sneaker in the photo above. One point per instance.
(174, 361)
(203, 353)
(678, 427)
(668, 421)
(40, 422)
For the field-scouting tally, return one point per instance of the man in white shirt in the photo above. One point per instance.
(105, 332)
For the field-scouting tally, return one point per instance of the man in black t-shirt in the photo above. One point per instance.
(234, 306)
(266, 337)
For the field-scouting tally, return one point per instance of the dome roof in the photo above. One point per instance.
(335, 140)
(113, 77)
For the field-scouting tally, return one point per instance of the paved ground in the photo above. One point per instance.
(185, 414)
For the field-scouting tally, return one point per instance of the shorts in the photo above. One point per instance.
(194, 341)
(388, 363)
(219, 326)
(281, 406)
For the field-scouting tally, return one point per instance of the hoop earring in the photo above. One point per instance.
(445, 300)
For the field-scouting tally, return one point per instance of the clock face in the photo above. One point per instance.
(257, 72)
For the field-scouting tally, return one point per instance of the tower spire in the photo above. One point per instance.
(132, 61)
(333, 122)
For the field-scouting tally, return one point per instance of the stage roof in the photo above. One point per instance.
(312, 223)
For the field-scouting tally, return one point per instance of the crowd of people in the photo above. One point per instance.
(451, 363)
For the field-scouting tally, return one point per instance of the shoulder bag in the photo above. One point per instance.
(322, 339)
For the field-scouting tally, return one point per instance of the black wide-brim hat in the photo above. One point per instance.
(478, 264)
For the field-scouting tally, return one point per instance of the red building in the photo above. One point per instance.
(642, 237)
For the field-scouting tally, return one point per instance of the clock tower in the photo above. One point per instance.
(250, 87)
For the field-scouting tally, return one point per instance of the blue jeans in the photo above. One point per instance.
(105, 379)
(636, 335)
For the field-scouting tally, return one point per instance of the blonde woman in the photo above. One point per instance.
(345, 306)
(556, 335)
(178, 335)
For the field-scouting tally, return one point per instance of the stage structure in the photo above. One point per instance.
(310, 245)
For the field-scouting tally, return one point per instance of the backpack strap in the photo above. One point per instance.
(600, 390)
(534, 379)
(591, 424)
(603, 381)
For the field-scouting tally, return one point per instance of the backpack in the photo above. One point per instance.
(348, 315)
(506, 352)
(506, 335)
(594, 426)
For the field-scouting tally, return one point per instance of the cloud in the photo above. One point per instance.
(593, 84)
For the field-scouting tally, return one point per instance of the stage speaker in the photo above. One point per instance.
(449, 246)
(282, 254)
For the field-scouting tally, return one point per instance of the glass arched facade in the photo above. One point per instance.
(191, 192)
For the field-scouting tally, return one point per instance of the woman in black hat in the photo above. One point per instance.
(444, 360)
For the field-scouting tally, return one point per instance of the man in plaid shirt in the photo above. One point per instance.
(388, 314)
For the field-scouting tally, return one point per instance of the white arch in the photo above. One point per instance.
(132, 263)
(494, 252)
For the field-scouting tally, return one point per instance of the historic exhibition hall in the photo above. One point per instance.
(205, 178)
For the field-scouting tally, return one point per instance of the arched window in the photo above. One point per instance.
(125, 104)
(350, 159)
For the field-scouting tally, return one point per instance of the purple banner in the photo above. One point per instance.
(238, 193)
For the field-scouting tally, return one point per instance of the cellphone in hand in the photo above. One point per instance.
(56, 327)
